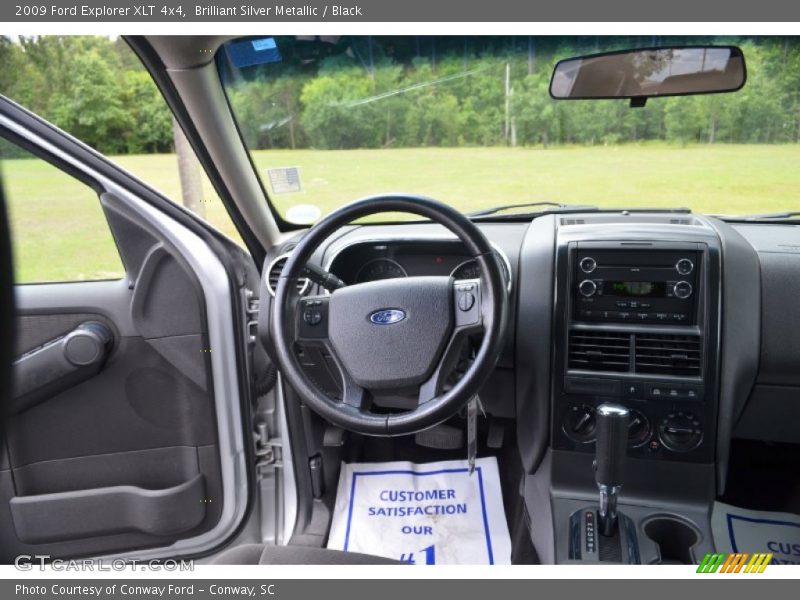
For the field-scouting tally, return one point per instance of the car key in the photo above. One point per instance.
(472, 430)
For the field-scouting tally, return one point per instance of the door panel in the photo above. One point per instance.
(119, 454)
(130, 457)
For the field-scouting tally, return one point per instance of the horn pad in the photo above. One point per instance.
(391, 333)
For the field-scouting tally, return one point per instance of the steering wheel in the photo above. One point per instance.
(392, 336)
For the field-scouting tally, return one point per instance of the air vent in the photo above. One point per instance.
(661, 354)
(599, 351)
(572, 221)
(274, 272)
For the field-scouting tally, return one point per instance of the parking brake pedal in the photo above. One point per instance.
(441, 437)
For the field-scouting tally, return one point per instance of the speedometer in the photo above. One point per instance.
(469, 269)
(380, 268)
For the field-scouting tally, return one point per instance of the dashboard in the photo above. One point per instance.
(665, 313)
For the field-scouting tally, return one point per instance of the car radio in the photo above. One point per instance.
(630, 286)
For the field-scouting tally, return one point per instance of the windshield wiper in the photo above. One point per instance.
(556, 206)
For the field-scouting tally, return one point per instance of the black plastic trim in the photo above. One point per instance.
(536, 291)
(104, 511)
(740, 346)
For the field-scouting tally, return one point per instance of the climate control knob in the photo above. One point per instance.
(587, 264)
(639, 430)
(587, 288)
(579, 423)
(680, 432)
(682, 290)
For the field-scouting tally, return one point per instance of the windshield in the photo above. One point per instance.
(469, 121)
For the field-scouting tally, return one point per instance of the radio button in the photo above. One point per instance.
(682, 290)
(633, 389)
(684, 266)
(587, 288)
(621, 304)
(643, 316)
(679, 317)
(693, 392)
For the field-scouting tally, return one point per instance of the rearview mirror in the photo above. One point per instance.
(650, 72)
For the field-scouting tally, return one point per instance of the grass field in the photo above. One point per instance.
(60, 233)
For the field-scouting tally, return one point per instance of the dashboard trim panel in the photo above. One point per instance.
(623, 239)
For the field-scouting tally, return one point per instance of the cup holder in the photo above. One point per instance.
(674, 538)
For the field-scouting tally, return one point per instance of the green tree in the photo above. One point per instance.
(335, 113)
(92, 108)
(152, 130)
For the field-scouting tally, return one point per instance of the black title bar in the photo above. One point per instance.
(745, 11)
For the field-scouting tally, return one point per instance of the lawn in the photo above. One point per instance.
(60, 233)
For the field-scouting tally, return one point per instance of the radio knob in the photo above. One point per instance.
(682, 290)
(587, 288)
(684, 266)
(588, 264)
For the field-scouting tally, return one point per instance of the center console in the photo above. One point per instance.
(634, 383)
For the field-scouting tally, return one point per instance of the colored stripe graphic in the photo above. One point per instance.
(740, 563)
(734, 562)
(702, 566)
(764, 564)
(729, 563)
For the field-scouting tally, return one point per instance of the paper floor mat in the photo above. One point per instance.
(433, 513)
(740, 530)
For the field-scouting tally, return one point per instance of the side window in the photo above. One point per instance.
(96, 89)
(58, 229)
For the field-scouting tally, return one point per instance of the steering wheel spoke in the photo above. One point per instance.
(468, 321)
(311, 329)
(353, 394)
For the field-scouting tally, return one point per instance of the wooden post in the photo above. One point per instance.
(189, 172)
(531, 55)
(507, 128)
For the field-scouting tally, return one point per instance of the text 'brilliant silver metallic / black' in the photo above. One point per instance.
(278, 10)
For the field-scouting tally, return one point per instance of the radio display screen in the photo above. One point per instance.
(636, 289)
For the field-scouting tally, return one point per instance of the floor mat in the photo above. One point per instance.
(432, 513)
(740, 530)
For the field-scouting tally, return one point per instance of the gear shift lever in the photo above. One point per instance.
(612, 441)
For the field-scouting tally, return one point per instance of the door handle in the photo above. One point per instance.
(60, 364)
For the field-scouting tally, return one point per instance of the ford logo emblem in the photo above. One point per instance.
(387, 316)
